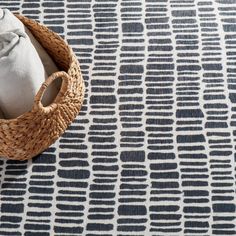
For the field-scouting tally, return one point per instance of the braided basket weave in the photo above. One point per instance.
(31, 133)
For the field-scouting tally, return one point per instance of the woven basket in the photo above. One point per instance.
(31, 133)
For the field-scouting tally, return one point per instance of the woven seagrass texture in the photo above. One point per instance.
(31, 133)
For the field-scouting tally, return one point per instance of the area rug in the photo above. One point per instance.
(153, 149)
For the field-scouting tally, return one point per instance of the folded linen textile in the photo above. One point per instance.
(22, 71)
(8, 22)
(49, 65)
(22, 74)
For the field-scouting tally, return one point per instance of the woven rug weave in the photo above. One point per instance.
(153, 149)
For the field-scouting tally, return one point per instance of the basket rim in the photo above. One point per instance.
(19, 16)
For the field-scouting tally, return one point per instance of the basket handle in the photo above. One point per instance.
(64, 87)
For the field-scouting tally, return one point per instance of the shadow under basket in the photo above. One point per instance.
(33, 132)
